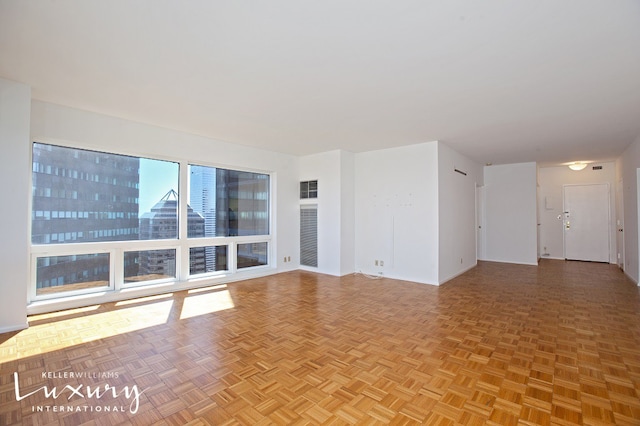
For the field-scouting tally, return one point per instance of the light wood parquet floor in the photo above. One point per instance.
(557, 344)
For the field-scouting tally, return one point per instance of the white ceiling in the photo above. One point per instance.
(500, 81)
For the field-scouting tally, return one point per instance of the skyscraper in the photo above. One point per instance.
(81, 196)
(162, 223)
(202, 187)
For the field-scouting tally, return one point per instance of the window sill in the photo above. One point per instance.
(71, 302)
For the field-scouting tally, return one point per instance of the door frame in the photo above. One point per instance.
(620, 224)
(481, 249)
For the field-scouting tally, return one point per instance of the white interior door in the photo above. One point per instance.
(586, 222)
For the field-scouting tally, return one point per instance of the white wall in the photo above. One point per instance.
(334, 171)
(511, 222)
(457, 212)
(630, 163)
(396, 206)
(550, 203)
(15, 105)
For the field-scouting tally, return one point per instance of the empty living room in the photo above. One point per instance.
(322, 213)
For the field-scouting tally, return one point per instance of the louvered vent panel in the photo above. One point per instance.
(309, 235)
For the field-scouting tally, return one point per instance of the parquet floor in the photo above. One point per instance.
(557, 344)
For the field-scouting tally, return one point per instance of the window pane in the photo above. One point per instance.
(207, 259)
(231, 202)
(252, 254)
(55, 274)
(95, 196)
(149, 265)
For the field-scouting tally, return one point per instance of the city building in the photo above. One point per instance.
(80, 196)
(162, 223)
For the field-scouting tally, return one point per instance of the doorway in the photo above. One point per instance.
(586, 222)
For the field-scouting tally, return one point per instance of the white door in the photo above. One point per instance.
(586, 222)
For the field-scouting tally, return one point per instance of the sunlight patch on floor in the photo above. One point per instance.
(216, 299)
(54, 335)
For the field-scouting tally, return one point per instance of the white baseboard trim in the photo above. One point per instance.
(631, 278)
(458, 274)
(513, 262)
(11, 328)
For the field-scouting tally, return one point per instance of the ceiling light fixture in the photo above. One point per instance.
(577, 165)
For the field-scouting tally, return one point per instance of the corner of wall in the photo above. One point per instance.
(396, 210)
(15, 118)
(511, 213)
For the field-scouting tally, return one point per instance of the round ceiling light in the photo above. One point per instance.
(577, 165)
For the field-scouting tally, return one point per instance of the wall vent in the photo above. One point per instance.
(309, 189)
(596, 168)
(309, 235)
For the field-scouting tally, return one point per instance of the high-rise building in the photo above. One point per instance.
(162, 223)
(81, 196)
(233, 203)
(202, 199)
(202, 196)
(242, 200)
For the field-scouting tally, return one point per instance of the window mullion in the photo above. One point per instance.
(233, 257)
(182, 256)
(116, 268)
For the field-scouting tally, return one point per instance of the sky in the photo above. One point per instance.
(156, 179)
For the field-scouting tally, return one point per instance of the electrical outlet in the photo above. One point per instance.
(382, 263)
(288, 258)
(376, 262)
(285, 259)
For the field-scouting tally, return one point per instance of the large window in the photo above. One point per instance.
(103, 221)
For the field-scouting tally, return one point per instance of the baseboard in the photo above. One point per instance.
(457, 274)
(11, 328)
(630, 277)
(513, 262)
